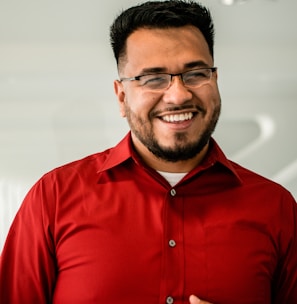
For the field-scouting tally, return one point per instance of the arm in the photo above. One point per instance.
(284, 286)
(27, 262)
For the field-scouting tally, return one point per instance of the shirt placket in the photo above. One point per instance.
(172, 277)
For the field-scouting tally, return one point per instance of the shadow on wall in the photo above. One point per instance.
(247, 139)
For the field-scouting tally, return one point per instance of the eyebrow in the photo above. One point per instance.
(196, 64)
(189, 65)
(152, 70)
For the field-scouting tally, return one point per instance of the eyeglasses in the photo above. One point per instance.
(162, 81)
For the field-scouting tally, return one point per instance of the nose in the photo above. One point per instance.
(177, 93)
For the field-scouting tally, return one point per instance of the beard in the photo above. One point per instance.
(183, 149)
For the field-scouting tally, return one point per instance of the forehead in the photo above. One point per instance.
(170, 49)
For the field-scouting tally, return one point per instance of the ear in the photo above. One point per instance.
(121, 96)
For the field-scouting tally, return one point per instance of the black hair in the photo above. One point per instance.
(160, 14)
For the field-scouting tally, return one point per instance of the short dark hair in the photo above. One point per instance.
(160, 14)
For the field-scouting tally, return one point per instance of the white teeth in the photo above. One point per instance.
(178, 117)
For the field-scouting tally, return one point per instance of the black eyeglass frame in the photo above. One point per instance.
(137, 78)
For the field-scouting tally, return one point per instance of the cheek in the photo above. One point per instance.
(210, 97)
(141, 104)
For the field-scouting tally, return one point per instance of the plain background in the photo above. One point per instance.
(56, 93)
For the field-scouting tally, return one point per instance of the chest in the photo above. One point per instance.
(150, 245)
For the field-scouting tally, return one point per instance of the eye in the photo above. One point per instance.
(197, 74)
(196, 77)
(154, 80)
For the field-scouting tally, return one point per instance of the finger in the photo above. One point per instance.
(195, 300)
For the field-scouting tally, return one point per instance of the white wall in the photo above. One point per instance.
(56, 93)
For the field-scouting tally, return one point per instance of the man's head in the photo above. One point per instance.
(160, 14)
(168, 85)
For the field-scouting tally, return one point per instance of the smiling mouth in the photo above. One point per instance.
(178, 117)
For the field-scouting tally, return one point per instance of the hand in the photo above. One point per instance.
(194, 300)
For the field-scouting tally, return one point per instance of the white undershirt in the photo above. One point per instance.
(172, 178)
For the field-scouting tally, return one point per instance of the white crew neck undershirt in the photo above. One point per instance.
(172, 178)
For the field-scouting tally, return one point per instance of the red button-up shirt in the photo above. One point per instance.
(107, 229)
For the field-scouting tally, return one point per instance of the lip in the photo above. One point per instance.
(177, 117)
(179, 120)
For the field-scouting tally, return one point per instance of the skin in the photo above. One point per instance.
(172, 50)
(194, 300)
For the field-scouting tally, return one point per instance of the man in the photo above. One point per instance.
(163, 217)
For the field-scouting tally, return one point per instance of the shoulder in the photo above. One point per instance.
(261, 185)
(85, 168)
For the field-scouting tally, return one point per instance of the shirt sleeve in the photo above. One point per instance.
(27, 266)
(284, 286)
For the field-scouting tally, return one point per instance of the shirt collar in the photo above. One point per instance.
(124, 151)
(118, 154)
(216, 156)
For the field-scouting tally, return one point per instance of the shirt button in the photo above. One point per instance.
(169, 300)
(172, 243)
(172, 192)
